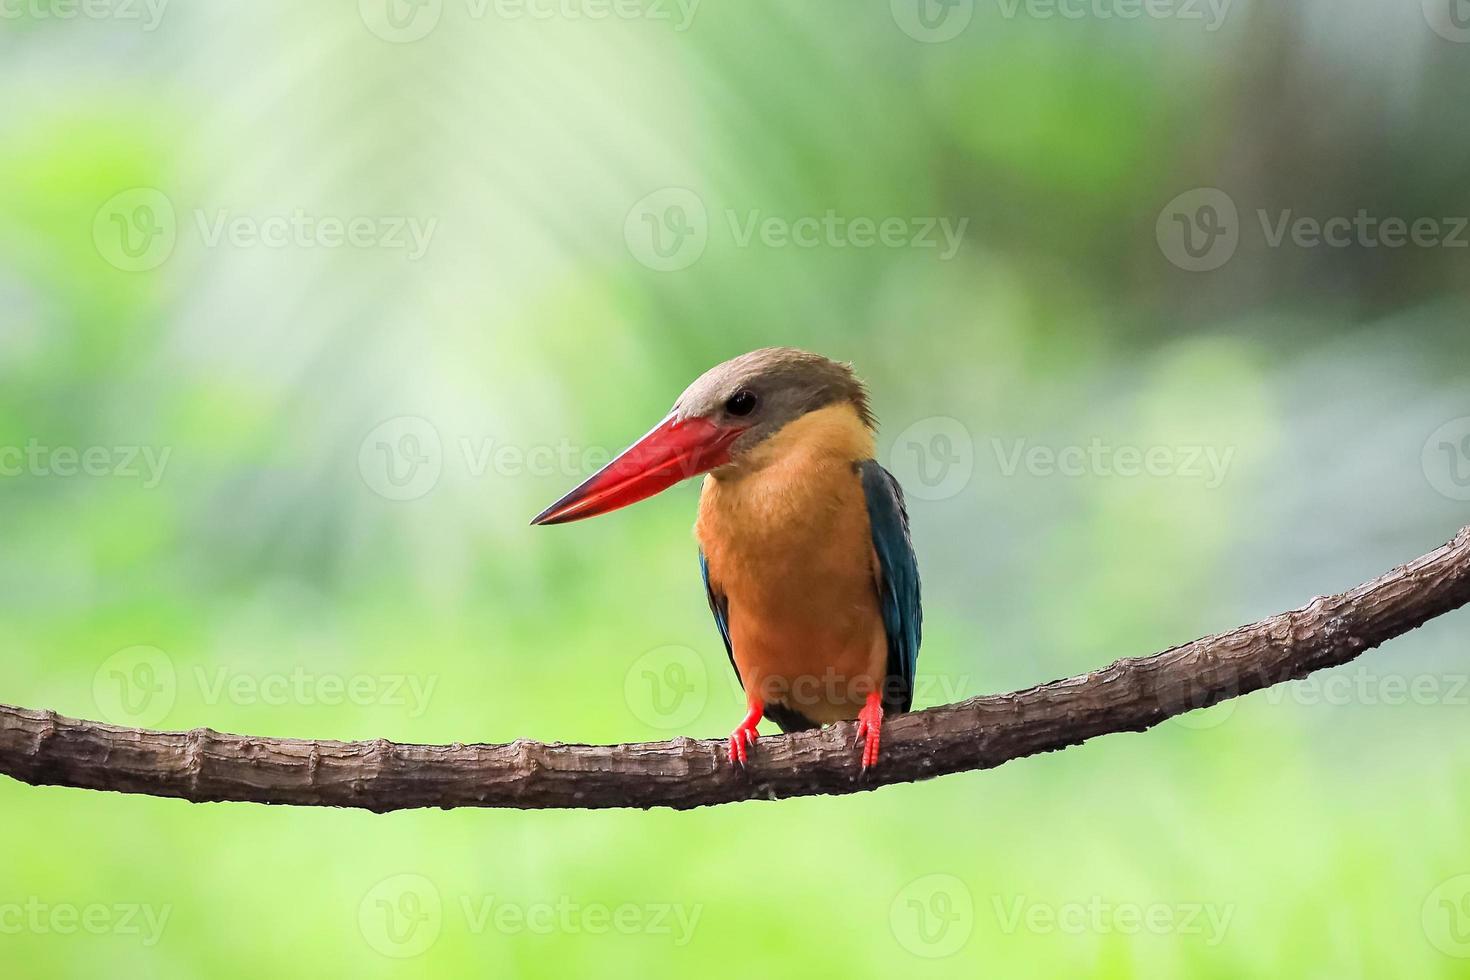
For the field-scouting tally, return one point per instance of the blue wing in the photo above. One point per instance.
(898, 582)
(720, 606)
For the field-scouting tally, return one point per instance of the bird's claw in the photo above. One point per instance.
(870, 731)
(740, 740)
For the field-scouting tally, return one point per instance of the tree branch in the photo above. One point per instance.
(1134, 694)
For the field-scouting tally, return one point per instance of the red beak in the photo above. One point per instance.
(675, 450)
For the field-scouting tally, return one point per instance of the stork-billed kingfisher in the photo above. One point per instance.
(803, 538)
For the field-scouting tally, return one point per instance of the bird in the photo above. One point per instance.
(804, 543)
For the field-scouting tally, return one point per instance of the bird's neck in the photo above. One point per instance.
(790, 482)
(831, 435)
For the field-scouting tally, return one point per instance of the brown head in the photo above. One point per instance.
(725, 414)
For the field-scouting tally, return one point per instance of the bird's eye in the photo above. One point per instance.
(742, 403)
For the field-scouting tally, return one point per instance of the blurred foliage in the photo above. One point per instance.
(268, 560)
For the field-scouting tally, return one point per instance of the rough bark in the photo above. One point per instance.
(1133, 694)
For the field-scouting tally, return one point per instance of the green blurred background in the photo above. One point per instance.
(268, 460)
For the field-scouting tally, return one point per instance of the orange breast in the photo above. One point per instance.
(788, 543)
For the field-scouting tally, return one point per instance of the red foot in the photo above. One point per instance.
(745, 735)
(870, 728)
